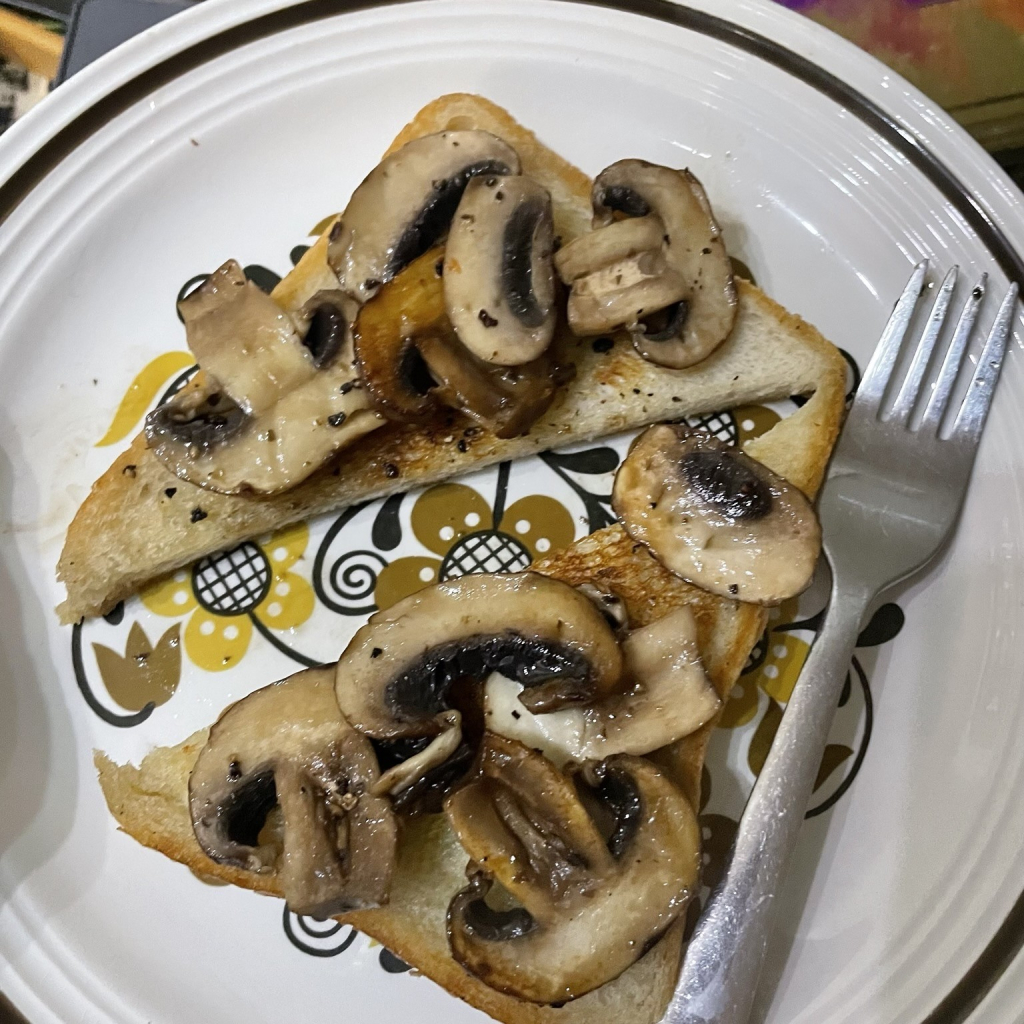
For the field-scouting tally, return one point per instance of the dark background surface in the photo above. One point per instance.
(96, 26)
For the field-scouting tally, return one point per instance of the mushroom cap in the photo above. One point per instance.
(693, 250)
(581, 900)
(404, 205)
(665, 695)
(204, 435)
(499, 283)
(394, 677)
(288, 746)
(715, 517)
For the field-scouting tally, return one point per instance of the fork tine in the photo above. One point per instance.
(954, 358)
(907, 398)
(883, 359)
(971, 418)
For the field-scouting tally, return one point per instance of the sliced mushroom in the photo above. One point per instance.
(578, 903)
(716, 517)
(396, 672)
(288, 746)
(204, 436)
(405, 204)
(413, 363)
(666, 696)
(506, 400)
(385, 334)
(622, 292)
(499, 283)
(663, 273)
(244, 340)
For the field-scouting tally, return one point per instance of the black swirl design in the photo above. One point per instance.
(353, 578)
(317, 938)
(345, 583)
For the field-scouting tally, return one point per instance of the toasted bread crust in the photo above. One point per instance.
(129, 531)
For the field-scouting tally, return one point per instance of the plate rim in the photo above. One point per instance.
(920, 131)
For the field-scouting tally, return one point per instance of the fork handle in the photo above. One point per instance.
(724, 958)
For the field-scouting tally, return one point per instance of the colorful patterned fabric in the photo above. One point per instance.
(966, 54)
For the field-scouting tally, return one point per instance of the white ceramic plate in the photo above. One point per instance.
(231, 131)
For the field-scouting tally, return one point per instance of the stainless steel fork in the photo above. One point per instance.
(892, 496)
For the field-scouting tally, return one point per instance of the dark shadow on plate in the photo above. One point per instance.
(38, 770)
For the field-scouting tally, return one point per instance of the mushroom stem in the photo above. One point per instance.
(582, 919)
(405, 774)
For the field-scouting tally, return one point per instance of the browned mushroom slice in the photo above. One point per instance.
(422, 764)
(287, 746)
(204, 436)
(716, 517)
(385, 333)
(396, 673)
(507, 400)
(499, 283)
(558, 904)
(412, 362)
(665, 696)
(405, 204)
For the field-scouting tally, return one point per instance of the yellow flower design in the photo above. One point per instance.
(778, 659)
(224, 595)
(455, 523)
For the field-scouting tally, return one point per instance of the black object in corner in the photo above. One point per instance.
(96, 26)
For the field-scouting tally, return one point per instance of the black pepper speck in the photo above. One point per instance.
(198, 515)
(337, 419)
(171, 491)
